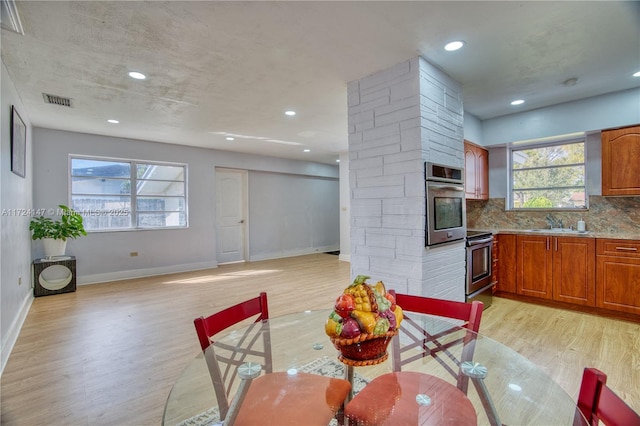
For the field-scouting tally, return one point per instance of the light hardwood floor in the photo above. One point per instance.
(109, 353)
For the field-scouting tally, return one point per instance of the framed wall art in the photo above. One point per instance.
(18, 143)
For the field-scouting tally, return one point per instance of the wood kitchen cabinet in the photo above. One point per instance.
(506, 262)
(494, 262)
(620, 165)
(618, 275)
(556, 268)
(476, 172)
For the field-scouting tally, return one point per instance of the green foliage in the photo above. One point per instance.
(70, 225)
(538, 203)
(555, 173)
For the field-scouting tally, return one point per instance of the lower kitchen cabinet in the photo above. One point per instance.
(506, 263)
(556, 268)
(534, 266)
(618, 275)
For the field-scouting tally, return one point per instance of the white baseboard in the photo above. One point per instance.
(344, 257)
(14, 331)
(139, 273)
(293, 253)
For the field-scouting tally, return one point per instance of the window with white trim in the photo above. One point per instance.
(116, 194)
(549, 177)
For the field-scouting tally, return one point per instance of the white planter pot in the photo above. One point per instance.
(53, 248)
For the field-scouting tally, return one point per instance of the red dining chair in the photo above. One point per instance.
(598, 403)
(414, 343)
(280, 397)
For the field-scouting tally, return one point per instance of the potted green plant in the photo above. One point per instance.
(54, 233)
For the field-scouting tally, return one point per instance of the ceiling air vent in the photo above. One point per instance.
(57, 100)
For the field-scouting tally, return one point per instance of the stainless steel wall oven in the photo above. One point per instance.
(446, 207)
(479, 247)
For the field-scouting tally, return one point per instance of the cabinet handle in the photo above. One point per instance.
(627, 248)
(547, 243)
(556, 244)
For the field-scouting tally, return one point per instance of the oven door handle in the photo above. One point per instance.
(479, 241)
(446, 186)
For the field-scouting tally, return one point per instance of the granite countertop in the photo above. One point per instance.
(544, 232)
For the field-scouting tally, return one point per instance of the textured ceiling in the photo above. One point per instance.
(234, 67)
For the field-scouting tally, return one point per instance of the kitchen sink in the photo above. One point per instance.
(556, 231)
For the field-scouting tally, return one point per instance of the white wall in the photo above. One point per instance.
(15, 246)
(103, 256)
(345, 209)
(472, 126)
(291, 215)
(586, 115)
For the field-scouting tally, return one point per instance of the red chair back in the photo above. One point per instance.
(424, 343)
(223, 363)
(418, 339)
(470, 313)
(598, 403)
(214, 324)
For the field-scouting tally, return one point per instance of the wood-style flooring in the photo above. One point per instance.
(109, 353)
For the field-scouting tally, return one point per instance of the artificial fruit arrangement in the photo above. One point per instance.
(363, 309)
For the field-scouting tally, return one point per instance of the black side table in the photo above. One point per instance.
(54, 275)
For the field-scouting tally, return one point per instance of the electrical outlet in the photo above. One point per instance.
(133, 254)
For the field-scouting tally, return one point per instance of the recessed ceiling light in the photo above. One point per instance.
(454, 45)
(307, 150)
(517, 102)
(290, 113)
(637, 74)
(229, 138)
(113, 121)
(137, 75)
(338, 160)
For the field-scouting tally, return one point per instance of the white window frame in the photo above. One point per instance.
(510, 185)
(133, 179)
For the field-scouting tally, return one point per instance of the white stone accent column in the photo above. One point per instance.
(398, 119)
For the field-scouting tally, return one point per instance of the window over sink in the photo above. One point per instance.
(549, 177)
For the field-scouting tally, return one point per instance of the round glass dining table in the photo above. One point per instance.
(504, 387)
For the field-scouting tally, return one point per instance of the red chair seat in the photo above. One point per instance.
(300, 399)
(391, 400)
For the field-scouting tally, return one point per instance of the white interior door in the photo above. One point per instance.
(231, 223)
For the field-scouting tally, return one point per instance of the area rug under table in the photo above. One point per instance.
(324, 366)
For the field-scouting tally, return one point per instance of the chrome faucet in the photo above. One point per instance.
(553, 222)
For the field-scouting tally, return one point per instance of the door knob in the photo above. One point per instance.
(242, 221)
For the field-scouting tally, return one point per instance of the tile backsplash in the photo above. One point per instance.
(605, 214)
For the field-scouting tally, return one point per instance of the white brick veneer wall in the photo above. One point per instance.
(398, 119)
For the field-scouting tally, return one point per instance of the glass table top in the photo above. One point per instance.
(520, 392)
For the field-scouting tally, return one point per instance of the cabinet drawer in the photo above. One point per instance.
(626, 248)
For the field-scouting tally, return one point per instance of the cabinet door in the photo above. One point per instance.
(618, 275)
(470, 172)
(574, 270)
(620, 166)
(482, 173)
(476, 172)
(507, 263)
(534, 266)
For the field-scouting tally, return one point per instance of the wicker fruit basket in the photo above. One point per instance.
(366, 349)
(364, 320)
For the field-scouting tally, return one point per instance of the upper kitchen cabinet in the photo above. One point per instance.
(620, 165)
(476, 172)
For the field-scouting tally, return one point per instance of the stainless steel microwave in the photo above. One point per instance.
(446, 207)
